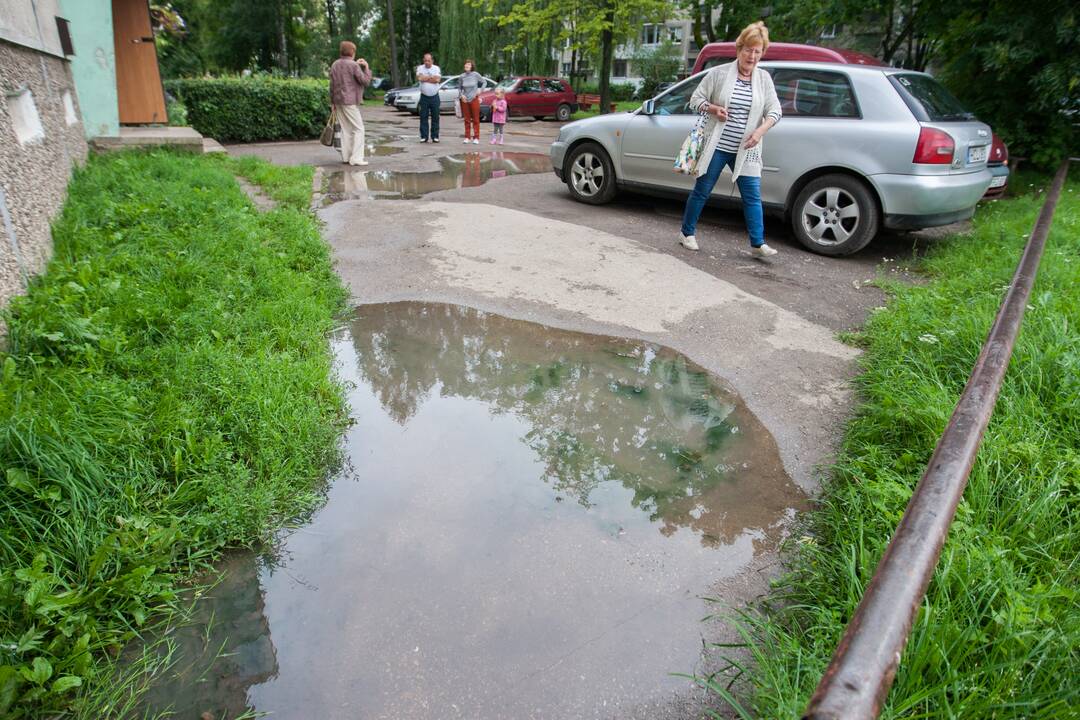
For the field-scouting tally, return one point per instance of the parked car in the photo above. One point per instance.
(719, 53)
(998, 162)
(448, 95)
(534, 96)
(391, 95)
(860, 147)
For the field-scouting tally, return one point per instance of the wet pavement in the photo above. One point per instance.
(527, 526)
(466, 170)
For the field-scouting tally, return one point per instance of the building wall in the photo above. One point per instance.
(94, 64)
(36, 157)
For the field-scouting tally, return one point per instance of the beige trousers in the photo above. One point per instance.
(352, 134)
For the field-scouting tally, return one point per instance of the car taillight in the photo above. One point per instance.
(935, 147)
(999, 153)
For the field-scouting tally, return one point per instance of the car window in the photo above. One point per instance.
(508, 84)
(676, 101)
(814, 93)
(928, 99)
(553, 86)
(714, 61)
(529, 86)
(451, 84)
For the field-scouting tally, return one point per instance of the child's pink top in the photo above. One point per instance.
(498, 111)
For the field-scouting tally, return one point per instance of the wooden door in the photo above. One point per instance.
(138, 82)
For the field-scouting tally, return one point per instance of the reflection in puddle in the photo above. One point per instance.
(530, 521)
(373, 150)
(458, 171)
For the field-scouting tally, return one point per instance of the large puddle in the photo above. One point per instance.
(530, 520)
(457, 171)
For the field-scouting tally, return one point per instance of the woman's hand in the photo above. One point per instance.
(754, 139)
(718, 110)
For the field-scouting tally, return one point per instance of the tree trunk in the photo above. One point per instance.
(395, 75)
(331, 21)
(607, 50)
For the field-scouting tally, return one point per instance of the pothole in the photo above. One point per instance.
(530, 521)
(457, 171)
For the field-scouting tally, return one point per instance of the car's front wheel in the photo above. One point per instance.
(835, 215)
(590, 175)
(563, 113)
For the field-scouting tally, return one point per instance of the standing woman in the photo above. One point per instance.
(348, 78)
(469, 97)
(741, 101)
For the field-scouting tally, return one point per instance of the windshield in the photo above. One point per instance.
(929, 99)
(508, 83)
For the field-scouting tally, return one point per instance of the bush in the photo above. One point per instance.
(254, 109)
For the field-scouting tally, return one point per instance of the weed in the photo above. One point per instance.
(166, 392)
(998, 634)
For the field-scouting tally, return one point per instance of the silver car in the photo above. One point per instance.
(448, 95)
(858, 148)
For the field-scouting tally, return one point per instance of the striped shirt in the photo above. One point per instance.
(738, 116)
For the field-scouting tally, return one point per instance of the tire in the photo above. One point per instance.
(835, 215)
(563, 113)
(590, 175)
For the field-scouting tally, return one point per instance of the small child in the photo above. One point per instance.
(498, 116)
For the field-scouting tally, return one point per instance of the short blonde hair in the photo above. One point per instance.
(752, 34)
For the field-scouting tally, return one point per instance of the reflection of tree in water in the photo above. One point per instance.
(225, 650)
(600, 409)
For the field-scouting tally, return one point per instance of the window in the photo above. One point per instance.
(553, 86)
(650, 34)
(830, 31)
(529, 86)
(451, 84)
(814, 93)
(928, 99)
(566, 68)
(675, 34)
(675, 102)
(619, 68)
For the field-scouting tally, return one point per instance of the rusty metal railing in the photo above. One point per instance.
(862, 670)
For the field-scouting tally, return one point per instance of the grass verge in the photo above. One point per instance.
(998, 635)
(620, 106)
(166, 392)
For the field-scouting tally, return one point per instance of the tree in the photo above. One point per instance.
(657, 65)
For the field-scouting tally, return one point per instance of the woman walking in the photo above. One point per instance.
(469, 97)
(741, 101)
(348, 78)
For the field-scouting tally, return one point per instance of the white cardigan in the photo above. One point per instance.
(716, 88)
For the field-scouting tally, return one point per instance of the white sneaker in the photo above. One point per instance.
(466, 141)
(762, 251)
(688, 241)
(475, 141)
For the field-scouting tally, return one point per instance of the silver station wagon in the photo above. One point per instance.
(859, 148)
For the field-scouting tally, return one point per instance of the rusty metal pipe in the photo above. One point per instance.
(861, 672)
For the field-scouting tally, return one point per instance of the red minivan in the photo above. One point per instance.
(719, 53)
(537, 96)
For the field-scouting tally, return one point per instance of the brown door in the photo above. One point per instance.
(138, 83)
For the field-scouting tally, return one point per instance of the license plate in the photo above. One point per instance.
(998, 181)
(977, 154)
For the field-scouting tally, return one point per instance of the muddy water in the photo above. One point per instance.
(457, 171)
(530, 519)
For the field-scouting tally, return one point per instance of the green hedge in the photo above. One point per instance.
(254, 109)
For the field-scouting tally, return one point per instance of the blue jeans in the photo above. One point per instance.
(429, 107)
(749, 188)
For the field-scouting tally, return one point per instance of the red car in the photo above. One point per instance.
(535, 96)
(719, 53)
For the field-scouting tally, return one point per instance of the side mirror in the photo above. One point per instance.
(648, 107)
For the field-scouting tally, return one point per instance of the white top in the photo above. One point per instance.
(427, 88)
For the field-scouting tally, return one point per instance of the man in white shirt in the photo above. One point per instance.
(429, 76)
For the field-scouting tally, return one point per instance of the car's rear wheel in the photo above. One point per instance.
(590, 175)
(563, 112)
(835, 215)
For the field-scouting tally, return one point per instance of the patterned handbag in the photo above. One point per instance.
(326, 137)
(687, 159)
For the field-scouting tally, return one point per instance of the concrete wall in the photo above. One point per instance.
(41, 138)
(94, 64)
(31, 23)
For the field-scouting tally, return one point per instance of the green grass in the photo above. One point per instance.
(621, 106)
(998, 635)
(288, 185)
(166, 392)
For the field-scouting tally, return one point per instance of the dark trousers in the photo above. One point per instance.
(429, 107)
